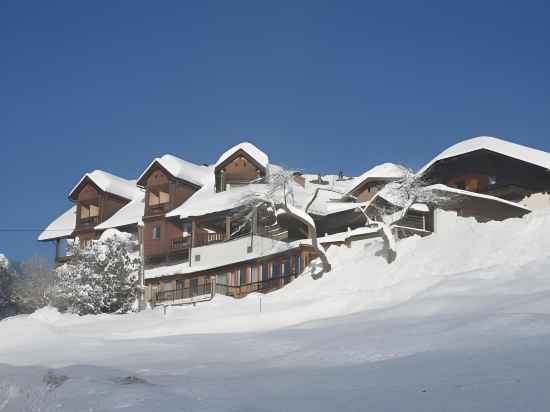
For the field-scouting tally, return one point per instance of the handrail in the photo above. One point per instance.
(258, 286)
(183, 293)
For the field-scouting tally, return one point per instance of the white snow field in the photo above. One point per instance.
(459, 322)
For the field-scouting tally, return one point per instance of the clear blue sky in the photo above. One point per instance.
(318, 85)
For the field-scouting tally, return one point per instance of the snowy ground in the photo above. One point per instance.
(460, 322)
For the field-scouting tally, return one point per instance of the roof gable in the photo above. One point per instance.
(179, 169)
(384, 171)
(108, 183)
(246, 149)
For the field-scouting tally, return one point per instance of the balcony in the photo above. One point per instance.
(262, 286)
(157, 209)
(88, 222)
(180, 243)
(173, 296)
(203, 239)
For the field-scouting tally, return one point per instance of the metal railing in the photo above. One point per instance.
(183, 293)
(413, 222)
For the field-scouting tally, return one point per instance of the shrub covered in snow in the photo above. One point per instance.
(6, 287)
(34, 279)
(99, 279)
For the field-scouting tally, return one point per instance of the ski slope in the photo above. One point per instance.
(459, 322)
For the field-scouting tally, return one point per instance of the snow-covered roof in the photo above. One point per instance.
(452, 190)
(260, 157)
(130, 214)
(61, 227)
(206, 201)
(224, 253)
(388, 171)
(493, 144)
(181, 169)
(110, 183)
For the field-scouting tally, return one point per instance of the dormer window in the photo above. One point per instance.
(159, 197)
(88, 211)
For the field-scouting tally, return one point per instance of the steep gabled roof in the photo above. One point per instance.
(256, 154)
(180, 169)
(62, 227)
(109, 183)
(493, 144)
(384, 171)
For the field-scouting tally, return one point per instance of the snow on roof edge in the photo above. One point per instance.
(446, 188)
(494, 144)
(258, 155)
(61, 227)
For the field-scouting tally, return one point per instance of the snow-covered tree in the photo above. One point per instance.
(279, 197)
(99, 279)
(6, 287)
(397, 198)
(34, 279)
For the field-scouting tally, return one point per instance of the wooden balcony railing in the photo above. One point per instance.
(180, 243)
(208, 238)
(157, 209)
(259, 286)
(88, 221)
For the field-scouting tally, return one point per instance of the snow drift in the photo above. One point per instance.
(460, 321)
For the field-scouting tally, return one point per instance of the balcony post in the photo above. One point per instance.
(57, 249)
(141, 272)
(193, 231)
(227, 227)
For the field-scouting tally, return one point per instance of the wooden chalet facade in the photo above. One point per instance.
(197, 238)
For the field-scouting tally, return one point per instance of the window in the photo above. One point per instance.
(195, 283)
(242, 276)
(254, 274)
(222, 279)
(164, 197)
(265, 271)
(187, 228)
(276, 269)
(167, 286)
(156, 232)
(84, 212)
(94, 211)
(286, 266)
(159, 198)
(153, 199)
(297, 264)
(179, 284)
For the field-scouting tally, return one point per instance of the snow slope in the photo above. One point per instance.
(459, 322)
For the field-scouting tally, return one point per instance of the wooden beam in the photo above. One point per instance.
(227, 227)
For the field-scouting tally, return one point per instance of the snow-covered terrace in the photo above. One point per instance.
(223, 254)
